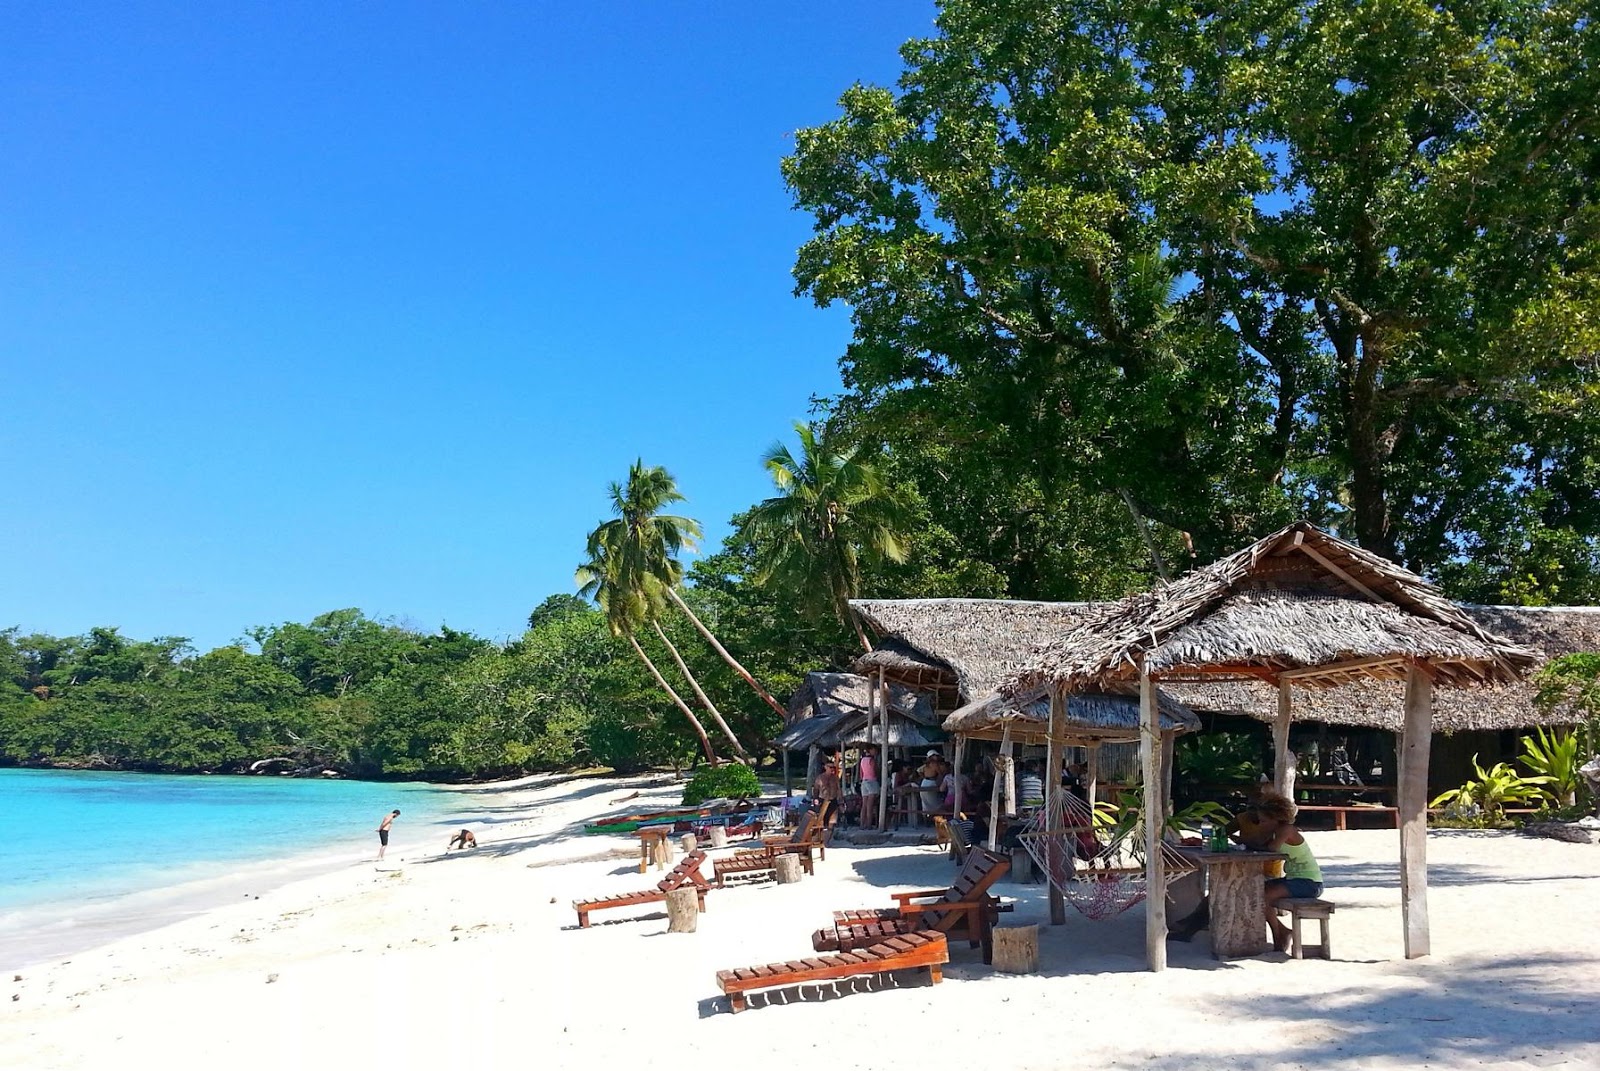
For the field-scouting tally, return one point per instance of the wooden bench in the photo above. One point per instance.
(899, 952)
(1341, 812)
(686, 872)
(965, 909)
(1307, 908)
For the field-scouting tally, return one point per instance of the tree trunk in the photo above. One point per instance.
(1369, 450)
(705, 700)
(699, 730)
(786, 868)
(723, 651)
(683, 910)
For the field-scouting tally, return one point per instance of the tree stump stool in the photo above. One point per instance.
(719, 836)
(683, 910)
(786, 868)
(1016, 949)
(689, 842)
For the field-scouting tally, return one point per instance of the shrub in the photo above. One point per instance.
(732, 780)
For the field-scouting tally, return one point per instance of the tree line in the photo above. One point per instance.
(1130, 285)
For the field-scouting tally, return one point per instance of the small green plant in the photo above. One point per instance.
(1218, 759)
(1555, 756)
(731, 780)
(1487, 795)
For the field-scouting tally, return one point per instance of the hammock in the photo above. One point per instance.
(1100, 880)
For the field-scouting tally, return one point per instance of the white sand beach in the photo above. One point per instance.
(473, 959)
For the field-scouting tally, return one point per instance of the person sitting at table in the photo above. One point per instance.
(1302, 877)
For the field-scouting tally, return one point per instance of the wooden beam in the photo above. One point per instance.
(883, 751)
(959, 759)
(1282, 767)
(1155, 901)
(1322, 559)
(1412, 801)
(1052, 800)
(1336, 668)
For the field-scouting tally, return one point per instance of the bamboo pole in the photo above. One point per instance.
(959, 795)
(1155, 900)
(1412, 801)
(1052, 801)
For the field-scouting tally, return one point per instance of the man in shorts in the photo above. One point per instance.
(383, 833)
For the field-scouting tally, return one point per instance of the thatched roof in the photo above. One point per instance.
(1091, 718)
(1553, 631)
(963, 646)
(830, 709)
(1300, 605)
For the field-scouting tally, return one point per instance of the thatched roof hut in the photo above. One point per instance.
(959, 649)
(831, 710)
(1299, 604)
(1091, 719)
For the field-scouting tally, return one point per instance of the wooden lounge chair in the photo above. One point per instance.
(686, 872)
(965, 909)
(808, 835)
(898, 952)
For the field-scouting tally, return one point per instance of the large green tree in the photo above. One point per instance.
(1235, 264)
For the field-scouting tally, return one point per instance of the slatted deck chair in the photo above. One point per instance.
(752, 861)
(965, 909)
(926, 948)
(686, 872)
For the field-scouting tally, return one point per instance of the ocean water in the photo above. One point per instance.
(87, 856)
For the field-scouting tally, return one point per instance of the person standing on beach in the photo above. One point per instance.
(383, 833)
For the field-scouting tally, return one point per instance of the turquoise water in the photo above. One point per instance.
(88, 855)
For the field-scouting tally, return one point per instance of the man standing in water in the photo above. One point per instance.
(383, 833)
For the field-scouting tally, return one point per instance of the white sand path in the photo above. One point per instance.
(473, 960)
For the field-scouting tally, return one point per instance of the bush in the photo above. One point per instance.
(731, 779)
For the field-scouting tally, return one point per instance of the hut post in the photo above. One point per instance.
(1282, 766)
(1091, 783)
(883, 750)
(1155, 901)
(788, 789)
(999, 782)
(1169, 761)
(1412, 800)
(1052, 802)
(960, 757)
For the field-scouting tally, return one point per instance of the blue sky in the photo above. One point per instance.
(305, 306)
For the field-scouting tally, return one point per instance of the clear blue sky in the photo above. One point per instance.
(305, 306)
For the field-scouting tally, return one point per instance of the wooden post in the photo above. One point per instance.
(1016, 949)
(960, 796)
(719, 836)
(683, 910)
(1412, 802)
(1155, 900)
(1169, 759)
(1052, 801)
(884, 780)
(786, 868)
(1091, 786)
(1000, 768)
(660, 852)
(788, 789)
(1282, 764)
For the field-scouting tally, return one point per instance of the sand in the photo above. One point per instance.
(473, 959)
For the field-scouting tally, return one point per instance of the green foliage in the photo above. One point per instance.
(731, 780)
(1555, 756)
(1488, 794)
(1218, 759)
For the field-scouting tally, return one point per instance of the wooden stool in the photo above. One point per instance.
(1298, 909)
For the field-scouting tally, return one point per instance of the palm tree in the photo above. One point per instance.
(833, 511)
(624, 610)
(645, 543)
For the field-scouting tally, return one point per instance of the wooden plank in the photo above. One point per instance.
(1415, 742)
(1322, 559)
(1155, 904)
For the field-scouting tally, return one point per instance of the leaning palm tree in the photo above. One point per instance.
(646, 544)
(833, 511)
(624, 610)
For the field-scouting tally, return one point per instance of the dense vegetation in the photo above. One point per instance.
(1130, 285)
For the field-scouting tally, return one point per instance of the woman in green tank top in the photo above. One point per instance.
(1302, 877)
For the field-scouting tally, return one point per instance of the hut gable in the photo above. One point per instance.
(831, 709)
(1298, 600)
(962, 647)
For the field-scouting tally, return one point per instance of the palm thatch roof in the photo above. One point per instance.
(1091, 718)
(961, 647)
(1299, 605)
(831, 709)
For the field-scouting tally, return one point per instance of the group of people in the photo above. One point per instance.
(463, 839)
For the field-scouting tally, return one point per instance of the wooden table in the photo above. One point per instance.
(1235, 882)
(650, 839)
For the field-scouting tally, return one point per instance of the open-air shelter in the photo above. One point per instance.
(834, 710)
(1300, 609)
